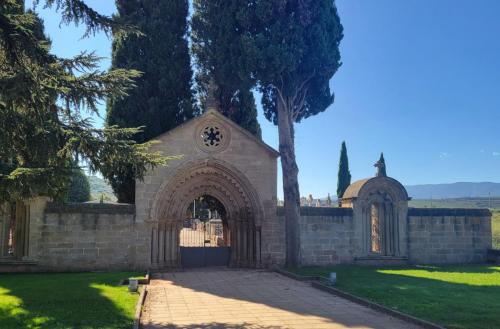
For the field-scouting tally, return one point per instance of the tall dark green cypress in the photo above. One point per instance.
(344, 175)
(163, 98)
(217, 34)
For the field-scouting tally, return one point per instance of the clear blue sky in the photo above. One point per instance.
(420, 81)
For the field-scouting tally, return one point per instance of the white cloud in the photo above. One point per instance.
(495, 154)
(444, 155)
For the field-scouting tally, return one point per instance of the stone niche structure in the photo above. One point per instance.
(380, 210)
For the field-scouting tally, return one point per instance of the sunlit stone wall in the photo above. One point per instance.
(437, 236)
(89, 237)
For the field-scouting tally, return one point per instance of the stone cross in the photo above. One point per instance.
(380, 166)
(211, 100)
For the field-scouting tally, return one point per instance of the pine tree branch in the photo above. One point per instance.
(77, 12)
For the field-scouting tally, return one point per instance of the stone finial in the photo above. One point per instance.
(211, 100)
(380, 165)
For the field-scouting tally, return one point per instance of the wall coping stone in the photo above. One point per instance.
(91, 208)
(320, 211)
(472, 212)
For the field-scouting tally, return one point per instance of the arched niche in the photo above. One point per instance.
(380, 208)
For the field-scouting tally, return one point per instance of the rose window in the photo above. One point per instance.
(212, 136)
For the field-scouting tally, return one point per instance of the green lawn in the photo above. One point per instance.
(495, 227)
(72, 300)
(453, 296)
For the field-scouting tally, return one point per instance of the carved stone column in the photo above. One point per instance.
(389, 229)
(258, 258)
(233, 234)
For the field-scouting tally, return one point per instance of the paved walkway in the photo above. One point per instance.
(230, 299)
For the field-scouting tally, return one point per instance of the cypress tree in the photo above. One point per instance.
(344, 175)
(217, 30)
(293, 46)
(163, 97)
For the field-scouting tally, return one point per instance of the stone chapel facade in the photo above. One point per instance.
(222, 160)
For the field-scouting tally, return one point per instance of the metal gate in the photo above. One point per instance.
(202, 244)
(205, 256)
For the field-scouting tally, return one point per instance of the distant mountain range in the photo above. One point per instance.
(454, 190)
(99, 186)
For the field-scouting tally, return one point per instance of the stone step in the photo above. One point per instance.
(381, 260)
(15, 266)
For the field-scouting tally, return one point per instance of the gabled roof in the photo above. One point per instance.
(234, 125)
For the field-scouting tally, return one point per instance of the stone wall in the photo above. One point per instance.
(435, 236)
(327, 235)
(107, 237)
(448, 235)
(272, 244)
(89, 237)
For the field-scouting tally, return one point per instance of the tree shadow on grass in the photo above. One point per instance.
(76, 300)
(455, 305)
(454, 296)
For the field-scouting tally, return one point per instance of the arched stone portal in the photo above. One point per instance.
(226, 184)
(222, 160)
(380, 206)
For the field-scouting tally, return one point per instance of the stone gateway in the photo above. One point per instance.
(224, 161)
(225, 164)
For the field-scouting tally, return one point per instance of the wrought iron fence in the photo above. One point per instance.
(198, 233)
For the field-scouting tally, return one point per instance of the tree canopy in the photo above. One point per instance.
(218, 27)
(43, 102)
(163, 96)
(295, 48)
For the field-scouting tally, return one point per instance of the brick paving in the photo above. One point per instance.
(230, 299)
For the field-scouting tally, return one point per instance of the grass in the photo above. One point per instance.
(457, 297)
(484, 202)
(72, 300)
(495, 228)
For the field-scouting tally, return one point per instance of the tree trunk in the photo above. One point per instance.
(290, 183)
